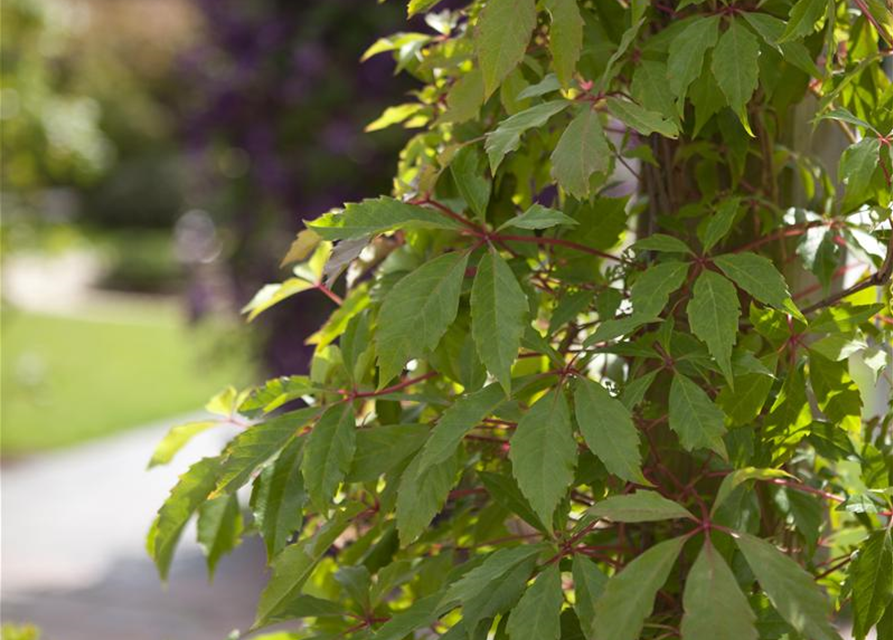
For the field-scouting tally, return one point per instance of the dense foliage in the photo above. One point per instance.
(546, 411)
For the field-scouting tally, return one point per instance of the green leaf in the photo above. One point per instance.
(504, 490)
(565, 38)
(417, 312)
(421, 613)
(628, 598)
(177, 438)
(713, 314)
(500, 595)
(381, 449)
(608, 429)
(370, 217)
(473, 186)
(857, 166)
(538, 217)
(803, 18)
(460, 418)
(687, 52)
(507, 135)
(185, 498)
(219, 528)
(257, 444)
(422, 494)
(652, 289)
(419, 6)
(791, 590)
(641, 119)
(715, 607)
(734, 479)
(581, 151)
(499, 312)
(651, 89)
(478, 580)
(279, 498)
(771, 29)
(330, 450)
(503, 32)
(641, 506)
(292, 568)
(272, 294)
(721, 222)
(394, 115)
(693, 416)
(663, 243)
(538, 614)
(589, 584)
(465, 97)
(871, 578)
(735, 68)
(757, 276)
(544, 453)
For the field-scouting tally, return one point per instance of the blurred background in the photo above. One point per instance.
(157, 158)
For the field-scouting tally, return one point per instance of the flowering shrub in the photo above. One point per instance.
(545, 409)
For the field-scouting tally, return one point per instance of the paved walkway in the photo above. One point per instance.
(73, 558)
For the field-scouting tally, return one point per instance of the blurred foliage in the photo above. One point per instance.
(275, 132)
(19, 632)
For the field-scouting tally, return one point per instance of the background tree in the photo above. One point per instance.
(543, 412)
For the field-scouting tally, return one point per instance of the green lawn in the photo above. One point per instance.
(65, 380)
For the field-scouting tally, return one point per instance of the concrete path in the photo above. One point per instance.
(72, 557)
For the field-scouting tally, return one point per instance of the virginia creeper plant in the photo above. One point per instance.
(609, 362)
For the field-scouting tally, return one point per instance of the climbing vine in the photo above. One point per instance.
(612, 359)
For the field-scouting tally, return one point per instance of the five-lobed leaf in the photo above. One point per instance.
(608, 429)
(628, 597)
(499, 311)
(417, 312)
(544, 453)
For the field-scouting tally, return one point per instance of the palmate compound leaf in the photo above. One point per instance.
(713, 313)
(608, 429)
(792, 591)
(190, 492)
(330, 450)
(537, 616)
(628, 597)
(499, 311)
(417, 312)
(544, 453)
(501, 38)
(715, 606)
